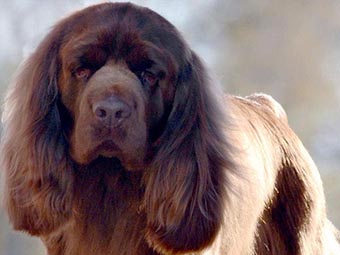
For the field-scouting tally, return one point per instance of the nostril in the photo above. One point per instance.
(123, 113)
(111, 111)
(119, 114)
(100, 113)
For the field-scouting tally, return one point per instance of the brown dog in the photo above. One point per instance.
(116, 143)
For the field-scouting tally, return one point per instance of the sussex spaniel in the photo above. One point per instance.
(115, 142)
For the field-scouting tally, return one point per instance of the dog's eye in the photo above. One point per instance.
(149, 78)
(82, 73)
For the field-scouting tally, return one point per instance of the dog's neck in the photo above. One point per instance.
(108, 206)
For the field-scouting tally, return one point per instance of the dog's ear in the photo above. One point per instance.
(185, 188)
(34, 150)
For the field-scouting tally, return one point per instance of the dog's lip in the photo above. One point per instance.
(107, 148)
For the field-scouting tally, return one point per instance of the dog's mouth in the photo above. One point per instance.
(103, 149)
(131, 157)
(108, 149)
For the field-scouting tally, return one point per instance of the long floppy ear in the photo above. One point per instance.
(36, 168)
(185, 188)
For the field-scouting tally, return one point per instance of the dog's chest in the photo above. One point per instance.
(107, 217)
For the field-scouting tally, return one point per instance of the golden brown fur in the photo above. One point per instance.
(116, 143)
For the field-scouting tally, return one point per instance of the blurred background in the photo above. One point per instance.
(289, 49)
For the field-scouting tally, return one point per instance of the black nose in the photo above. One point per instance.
(111, 111)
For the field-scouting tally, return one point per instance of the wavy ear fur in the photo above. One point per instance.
(185, 188)
(33, 150)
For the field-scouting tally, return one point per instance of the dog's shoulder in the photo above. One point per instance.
(268, 102)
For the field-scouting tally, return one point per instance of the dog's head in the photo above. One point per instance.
(116, 73)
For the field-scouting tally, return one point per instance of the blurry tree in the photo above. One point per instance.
(277, 47)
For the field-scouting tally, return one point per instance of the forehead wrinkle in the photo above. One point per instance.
(79, 44)
(123, 40)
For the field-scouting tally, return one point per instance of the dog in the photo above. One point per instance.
(116, 142)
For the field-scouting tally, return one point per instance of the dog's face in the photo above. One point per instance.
(117, 76)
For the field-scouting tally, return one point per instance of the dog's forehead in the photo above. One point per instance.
(120, 26)
(116, 18)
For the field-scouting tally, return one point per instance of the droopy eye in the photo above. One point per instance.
(82, 73)
(149, 78)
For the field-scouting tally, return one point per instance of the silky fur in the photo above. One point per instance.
(195, 172)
